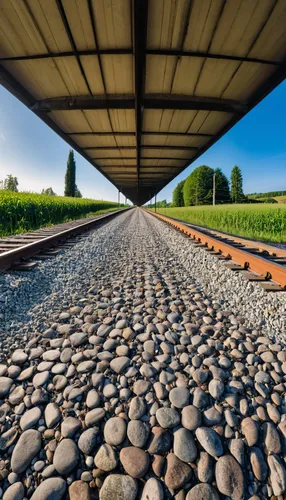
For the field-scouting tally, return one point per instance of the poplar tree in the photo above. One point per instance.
(70, 186)
(236, 185)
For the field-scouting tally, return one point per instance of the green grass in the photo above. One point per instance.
(21, 212)
(265, 222)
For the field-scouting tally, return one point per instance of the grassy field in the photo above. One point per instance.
(279, 199)
(20, 212)
(265, 222)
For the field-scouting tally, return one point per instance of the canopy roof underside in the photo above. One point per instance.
(141, 88)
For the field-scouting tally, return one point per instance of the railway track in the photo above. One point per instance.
(16, 251)
(256, 261)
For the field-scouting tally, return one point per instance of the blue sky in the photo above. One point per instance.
(30, 150)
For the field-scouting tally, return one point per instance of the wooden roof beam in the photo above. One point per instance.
(116, 101)
(114, 158)
(208, 55)
(123, 134)
(160, 158)
(116, 148)
(184, 148)
(144, 167)
(129, 51)
(144, 132)
(151, 101)
(54, 55)
(175, 134)
(189, 102)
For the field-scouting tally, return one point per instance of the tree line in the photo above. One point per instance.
(11, 183)
(197, 188)
(269, 194)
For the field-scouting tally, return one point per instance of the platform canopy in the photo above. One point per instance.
(141, 88)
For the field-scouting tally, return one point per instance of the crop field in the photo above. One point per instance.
(20, 212)
(265, 222)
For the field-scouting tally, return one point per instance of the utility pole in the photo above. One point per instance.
(118, 199)
(214, 188)
(155, 203)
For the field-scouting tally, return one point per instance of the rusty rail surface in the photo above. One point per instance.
(28, 250)
(249, 261)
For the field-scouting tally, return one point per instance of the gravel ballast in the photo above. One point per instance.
(135, 364)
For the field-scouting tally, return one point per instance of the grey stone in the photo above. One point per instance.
(216, 388)
(184, 445)
(179, 397)
(27, 447)
(106, 458)
(19, 357)
(115, 431)
(15, 492)
(94, 416)
(277, 475)
(202, 492)
(167, 417)
(138, 432)
(191, 417)
(8, 438)
(30, 418)
(210, 441)
(152, 490)
(250, 430)
(89, 440)
(5, 385)
(78, 339)
(66, 456)
(229, 477)
(119, 364)
(53, 488)
(205, 468)
(70, 426)
(52, 415)
(137, 408)
(160, 441)
(258, 464)
(272, 442)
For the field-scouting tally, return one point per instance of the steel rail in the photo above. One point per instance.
(26, 251)
(250, 262)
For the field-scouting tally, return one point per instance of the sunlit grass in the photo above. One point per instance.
(21, 212)
(259, 221)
